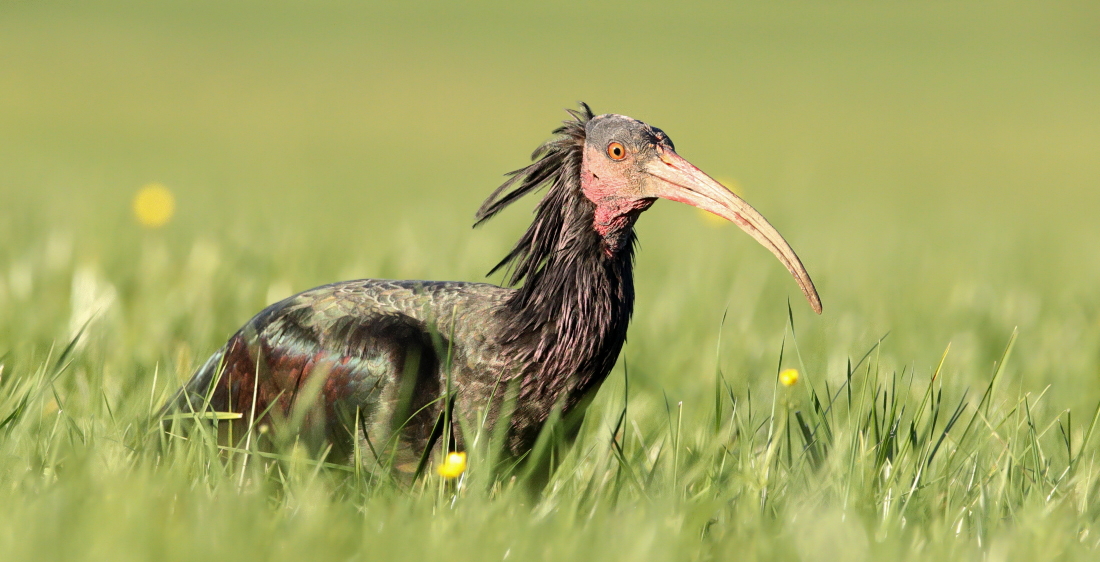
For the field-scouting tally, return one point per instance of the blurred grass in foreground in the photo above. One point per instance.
(934, 165)
(884, 465)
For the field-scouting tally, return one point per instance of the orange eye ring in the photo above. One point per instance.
(616, 151)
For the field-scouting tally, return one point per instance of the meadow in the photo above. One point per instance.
(936, 166)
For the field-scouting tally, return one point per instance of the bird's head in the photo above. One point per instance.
(628, 164)
(621, 166)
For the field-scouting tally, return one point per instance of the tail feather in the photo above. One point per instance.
(198, 394)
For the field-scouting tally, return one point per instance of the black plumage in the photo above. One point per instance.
(384, 349)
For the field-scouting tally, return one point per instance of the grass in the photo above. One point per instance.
(934, 166)
(883, 464)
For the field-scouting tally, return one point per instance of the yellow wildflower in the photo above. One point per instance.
(711, 219)
(453, 466)
(154, 205)
(788, 377)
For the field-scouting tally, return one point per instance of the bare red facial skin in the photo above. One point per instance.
(607, 183)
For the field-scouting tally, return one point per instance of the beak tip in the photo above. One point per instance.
(815, 300)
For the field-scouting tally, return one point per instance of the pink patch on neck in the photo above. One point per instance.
(614, 218)
(613, 215)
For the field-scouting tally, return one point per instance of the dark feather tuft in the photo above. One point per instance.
(557, 164)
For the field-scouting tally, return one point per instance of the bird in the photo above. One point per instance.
(378, 365)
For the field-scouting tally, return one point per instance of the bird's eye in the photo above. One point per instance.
(616, 151)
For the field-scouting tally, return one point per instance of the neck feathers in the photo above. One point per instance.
(566, 323)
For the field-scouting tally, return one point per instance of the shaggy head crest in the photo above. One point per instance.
(556, 164)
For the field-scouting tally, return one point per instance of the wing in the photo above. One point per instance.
(356, 360)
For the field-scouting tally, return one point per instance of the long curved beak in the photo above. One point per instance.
(680, 181)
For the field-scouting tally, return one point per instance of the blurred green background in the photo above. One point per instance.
(935, 164)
